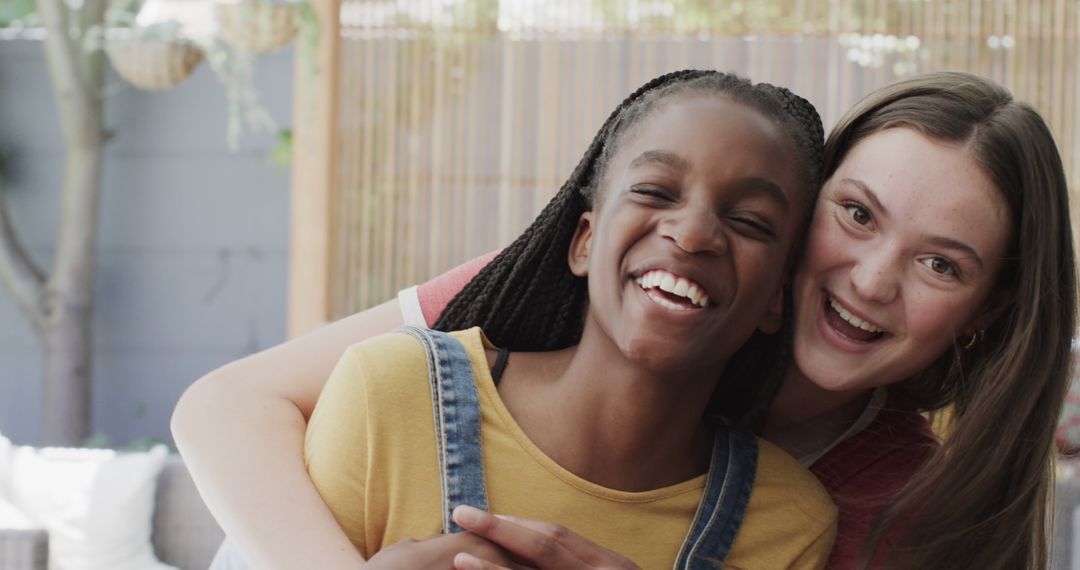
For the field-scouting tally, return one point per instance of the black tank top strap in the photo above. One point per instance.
(500, 365)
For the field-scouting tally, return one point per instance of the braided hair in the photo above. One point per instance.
(528, 299)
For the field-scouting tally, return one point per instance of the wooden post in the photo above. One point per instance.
(314, 175)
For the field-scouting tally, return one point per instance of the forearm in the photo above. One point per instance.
(241, 432)
(247, 461)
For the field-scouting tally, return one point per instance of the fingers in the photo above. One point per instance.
(540, 548)
(582, 548)
(466, 561)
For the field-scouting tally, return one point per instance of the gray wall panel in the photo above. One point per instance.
(192, 262)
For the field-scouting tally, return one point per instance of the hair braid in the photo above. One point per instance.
(528, 299)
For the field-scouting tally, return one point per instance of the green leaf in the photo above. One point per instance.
(281, 154)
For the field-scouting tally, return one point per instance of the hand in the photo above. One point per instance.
(539, 544)
(437, 552)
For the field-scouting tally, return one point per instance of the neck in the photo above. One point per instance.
(805, 418)
(610, 420)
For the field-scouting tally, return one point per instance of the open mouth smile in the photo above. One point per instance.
(672, 291)
(849, 325)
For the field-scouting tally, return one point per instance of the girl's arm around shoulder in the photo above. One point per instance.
(241, 429)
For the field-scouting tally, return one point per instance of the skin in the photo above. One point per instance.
(913, 251)
(711, 205)
(247, 419)
(717, 216)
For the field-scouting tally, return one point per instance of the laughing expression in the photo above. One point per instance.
(906, 244)
(685, 250)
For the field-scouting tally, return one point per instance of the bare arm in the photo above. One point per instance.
(241, 431)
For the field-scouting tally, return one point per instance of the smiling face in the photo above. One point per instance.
(906, 244)
(685, 251)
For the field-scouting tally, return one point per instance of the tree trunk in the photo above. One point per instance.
(67, 334)
(67, 307)
(61, 307)
(67, 391)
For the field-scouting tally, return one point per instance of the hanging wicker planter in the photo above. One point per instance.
(255, 26)
(154, 64)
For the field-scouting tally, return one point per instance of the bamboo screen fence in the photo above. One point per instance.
(457, 120)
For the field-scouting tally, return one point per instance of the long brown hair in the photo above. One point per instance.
(981, 500)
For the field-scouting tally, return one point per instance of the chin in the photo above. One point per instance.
(838, 384)
(658, 356)
(823, 376)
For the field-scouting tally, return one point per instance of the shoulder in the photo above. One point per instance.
(790, 521)
(380, 367)
(385, 353)
(393, 344)
(881, 458)
(433, 296)
(397, 362)
(780, 479)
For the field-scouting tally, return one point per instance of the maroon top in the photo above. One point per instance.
(865, 472)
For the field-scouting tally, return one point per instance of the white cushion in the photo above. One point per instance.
(96, 504)
(228, 557)
(12, 518)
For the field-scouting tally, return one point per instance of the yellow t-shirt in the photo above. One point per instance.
(370, 450)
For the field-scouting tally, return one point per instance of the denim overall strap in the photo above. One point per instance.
(732, 470)
(456, 409)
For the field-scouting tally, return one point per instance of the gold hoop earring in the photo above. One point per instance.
(976, 338)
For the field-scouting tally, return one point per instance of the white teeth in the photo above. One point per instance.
(856, 321)
(695, 294)
(669, 305)
(670, 283)
(681, 287)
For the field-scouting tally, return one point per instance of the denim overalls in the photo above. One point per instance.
(461, 465)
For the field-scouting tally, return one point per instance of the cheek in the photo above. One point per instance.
(759, 265)
(824, 249)
(936, 316)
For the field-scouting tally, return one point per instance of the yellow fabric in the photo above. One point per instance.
(941, 421)
(370, 450)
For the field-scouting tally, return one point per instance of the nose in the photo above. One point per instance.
(874, 275)
(696, 229)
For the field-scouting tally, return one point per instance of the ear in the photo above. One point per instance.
(992, 310)
(578, 256)
(774, 316)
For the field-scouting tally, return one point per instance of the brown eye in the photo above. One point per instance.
(859, 214)
(941, 266)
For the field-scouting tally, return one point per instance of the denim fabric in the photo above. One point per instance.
(456, 408)
(732, 468)
(732, 471)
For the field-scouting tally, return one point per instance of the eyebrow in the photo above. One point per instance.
(768, 188)
(940, 241)
(662, 157)
(874, 201)
(949, 243)
(751, 183)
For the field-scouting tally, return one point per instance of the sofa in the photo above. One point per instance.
(184, 533)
